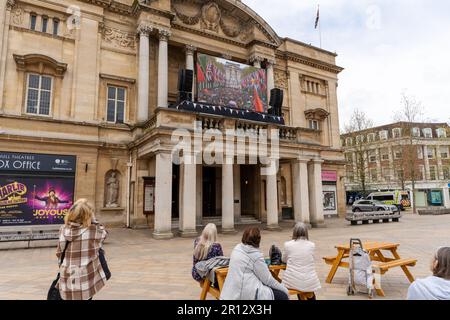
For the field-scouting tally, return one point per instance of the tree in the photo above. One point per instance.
(410, 113)
(359, 122)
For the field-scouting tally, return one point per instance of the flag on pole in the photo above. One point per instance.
(317, 18)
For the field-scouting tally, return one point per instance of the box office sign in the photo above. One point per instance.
(36, 163)
(329, 176)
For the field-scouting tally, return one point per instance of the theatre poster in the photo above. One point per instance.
(35, 189)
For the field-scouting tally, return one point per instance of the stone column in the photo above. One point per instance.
(163, 69)
(316, 193)
(426, 163)
(188, 226)
(163, 197)
(446, 197)
(270, 78)
(144, 71)
(237, 192)
(272, 200)
(4, 34)
(190, 50)
(227, 198)
(440, 168)
(256, 61)
(301, 191)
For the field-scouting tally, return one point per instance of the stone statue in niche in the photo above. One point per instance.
(112, 190)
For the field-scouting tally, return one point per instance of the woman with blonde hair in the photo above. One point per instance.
(80, 241)
(206, 248)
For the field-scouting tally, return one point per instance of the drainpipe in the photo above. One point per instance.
(130, 167)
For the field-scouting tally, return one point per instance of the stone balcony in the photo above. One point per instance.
(171, 119)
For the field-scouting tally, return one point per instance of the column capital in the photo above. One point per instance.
(164, 34)
(271, 62)
(144, 29)
(190, 49)
(303, 160)
(317, 161)
(10, 4)
(256, 58)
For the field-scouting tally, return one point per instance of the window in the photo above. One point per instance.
(433, 173)
(387, 174)
(349, 141)
(431, 153)
(383, 135)
(398, 153)
(349, 157)
(371, 137)
(39, 94)
(33, 20)
(44, 24)
(359, 139)
(372, 156)
(374, 175)
(116, 104)
(314, 124)
(397, 133)
(428, 133)
(400, 174)
(416, 132)
(385, 154)
(55, 26)
(446, 171)
(444, 151)
(441, 133)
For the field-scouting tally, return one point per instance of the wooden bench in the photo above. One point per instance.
(384, 267)
(302, 296)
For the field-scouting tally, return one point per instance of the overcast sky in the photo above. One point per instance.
(385, 46)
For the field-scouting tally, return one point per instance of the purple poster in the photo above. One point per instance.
(34, 200)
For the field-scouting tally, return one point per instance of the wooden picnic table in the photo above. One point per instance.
(375, 250)
(221, 275)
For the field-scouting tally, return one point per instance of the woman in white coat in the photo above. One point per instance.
(298, 253)
(249, 277)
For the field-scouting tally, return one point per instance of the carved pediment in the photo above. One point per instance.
(224, 18)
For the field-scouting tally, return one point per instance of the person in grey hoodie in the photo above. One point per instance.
(249, 277)
(436, 287)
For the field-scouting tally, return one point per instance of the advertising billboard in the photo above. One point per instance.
(226, 83)
(34, 200)
(35, 189)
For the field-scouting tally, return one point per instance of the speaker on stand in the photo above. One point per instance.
(276, 102)
(185, 84)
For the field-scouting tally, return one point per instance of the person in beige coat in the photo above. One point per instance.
(298, 254)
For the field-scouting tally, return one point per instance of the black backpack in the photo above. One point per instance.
(275, 256)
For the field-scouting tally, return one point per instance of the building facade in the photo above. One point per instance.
(95, 80)
(388, 155)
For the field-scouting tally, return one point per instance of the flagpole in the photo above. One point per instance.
(320, 27)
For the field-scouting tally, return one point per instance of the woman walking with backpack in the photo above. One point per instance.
(79, 253)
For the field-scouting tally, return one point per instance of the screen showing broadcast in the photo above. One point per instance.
(222, 82)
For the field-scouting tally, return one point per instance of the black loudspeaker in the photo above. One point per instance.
(276, 102)
(185, 83)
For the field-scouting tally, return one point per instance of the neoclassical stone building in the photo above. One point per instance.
(96, 79)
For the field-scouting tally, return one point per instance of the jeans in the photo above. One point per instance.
(279, 295)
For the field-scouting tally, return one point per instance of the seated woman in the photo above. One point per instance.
(205, 248)
(437, 286)
(298, 254)
(249, 277)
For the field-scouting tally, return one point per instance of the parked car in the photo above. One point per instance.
(373, 205)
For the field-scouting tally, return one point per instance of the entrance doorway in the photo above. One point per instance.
(250, 191)
(211, 188)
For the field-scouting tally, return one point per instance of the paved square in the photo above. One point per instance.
(144, 268)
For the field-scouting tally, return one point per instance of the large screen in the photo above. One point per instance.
(222, 82)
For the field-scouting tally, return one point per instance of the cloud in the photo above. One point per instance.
(386, 47)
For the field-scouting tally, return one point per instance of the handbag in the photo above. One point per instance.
(53, 292)
(101, 257)
(275, 256)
